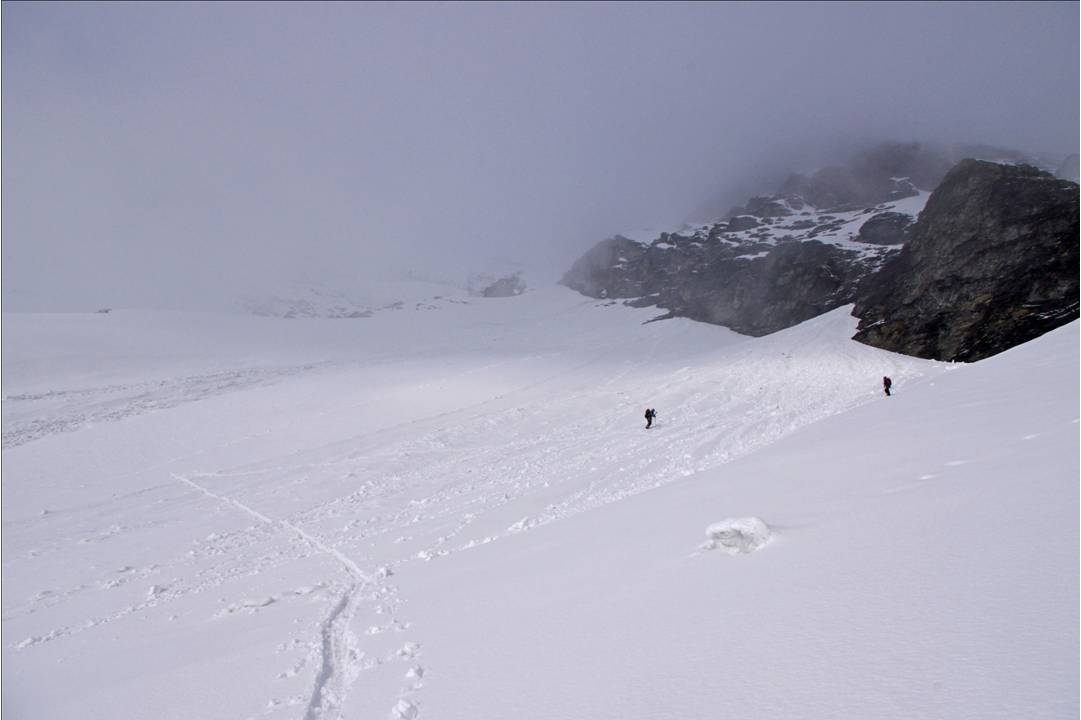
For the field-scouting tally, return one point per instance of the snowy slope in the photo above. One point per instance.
(459, 514)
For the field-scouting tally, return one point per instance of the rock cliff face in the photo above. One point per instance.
(776, 261)
(991, 263)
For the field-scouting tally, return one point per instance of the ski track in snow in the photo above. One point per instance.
(339, 655)
(483, 441)
(434, 504)
(81, 407)
(546, 449)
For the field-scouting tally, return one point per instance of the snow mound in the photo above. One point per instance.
(737, 535)
(404, 710)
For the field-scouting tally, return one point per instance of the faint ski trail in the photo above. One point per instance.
(345, 449)
(719, 411)
(331, 682)
(524, 448)
(116, 402)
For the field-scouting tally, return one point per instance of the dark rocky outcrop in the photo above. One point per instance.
(886, 228)
(777, 260)
(742, 222)
(991, 263)
(750, 285)
(791, 283)
(508, 286)
(763, 207)
(600, 272)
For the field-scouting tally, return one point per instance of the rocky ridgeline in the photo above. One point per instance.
(991, 263)
(778, 260)
(1000, 232)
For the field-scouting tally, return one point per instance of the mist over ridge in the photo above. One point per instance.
(172, 155)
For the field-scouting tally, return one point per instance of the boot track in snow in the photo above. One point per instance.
(331, 686)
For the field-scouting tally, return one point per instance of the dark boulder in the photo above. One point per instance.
(991, 263)
(505, 287)
(607, 270)
(741, 223)
(765, 207)
(886, 228)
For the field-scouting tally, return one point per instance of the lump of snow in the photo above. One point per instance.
(737, 535)
(519, 526)
(258, 602)
(404, 710)
(409, 650)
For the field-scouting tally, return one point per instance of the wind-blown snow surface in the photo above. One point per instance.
(462, 516)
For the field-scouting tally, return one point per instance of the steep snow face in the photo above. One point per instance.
(463, 514)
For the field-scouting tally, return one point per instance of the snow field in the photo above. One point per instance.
(463, 514)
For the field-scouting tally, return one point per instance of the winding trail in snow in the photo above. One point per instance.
(331, 682)
(536, 443)
(527, 432)
(68, 410)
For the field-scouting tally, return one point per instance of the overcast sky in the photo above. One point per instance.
(166, 153)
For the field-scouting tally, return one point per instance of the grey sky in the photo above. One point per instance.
(160, 152)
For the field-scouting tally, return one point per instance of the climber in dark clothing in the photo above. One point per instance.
(886, 384)
(650, 414)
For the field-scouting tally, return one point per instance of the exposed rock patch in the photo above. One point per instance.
(995, 265)
(991, 263)
(505, 287)
(886, 228)
(779, 260)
